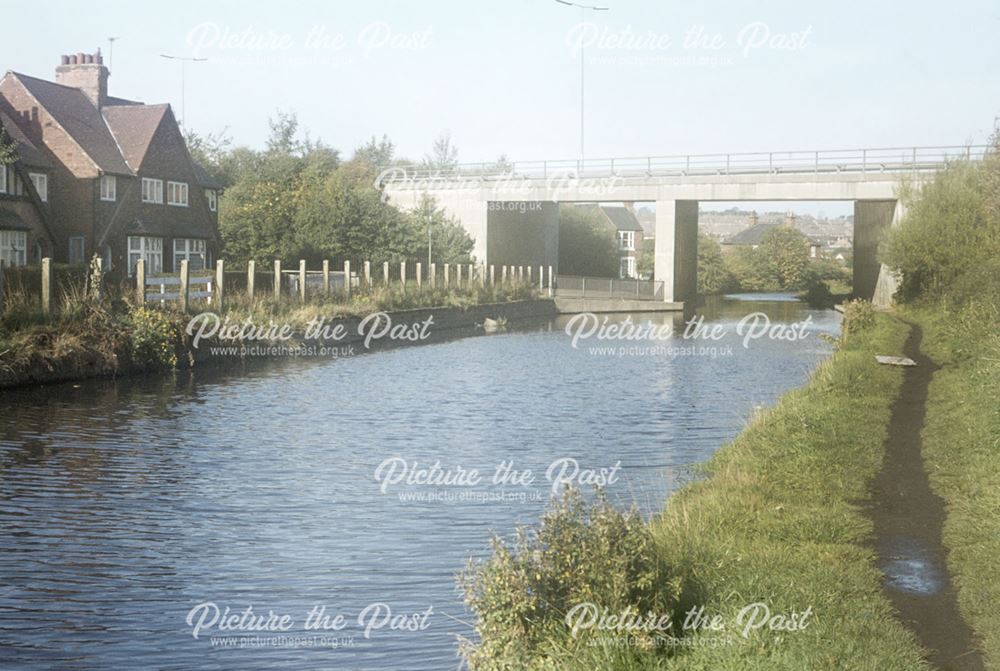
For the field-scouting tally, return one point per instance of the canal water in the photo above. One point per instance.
(131, 510)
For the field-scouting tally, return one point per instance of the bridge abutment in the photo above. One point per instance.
(872, 219)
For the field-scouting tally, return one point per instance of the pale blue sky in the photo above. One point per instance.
(503, 76)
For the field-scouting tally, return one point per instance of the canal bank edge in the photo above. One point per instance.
(92, 357)
(780, 519)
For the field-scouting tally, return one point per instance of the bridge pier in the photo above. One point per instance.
(872, 219)
(675, 255)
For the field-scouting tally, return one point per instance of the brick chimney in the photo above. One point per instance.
(87, 73)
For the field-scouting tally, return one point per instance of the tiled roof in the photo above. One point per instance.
(622, 218)
(78, 116)
(756, 233)
(27, 152)
(203, 177)
(134, 126)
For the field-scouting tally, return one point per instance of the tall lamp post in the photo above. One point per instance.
(583, 10)
(184, 60)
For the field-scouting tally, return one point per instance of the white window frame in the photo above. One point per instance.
(626, 267)
(149, 248)
(174, 192)
(73, 239)
(155, 194)
(626, 241)
(13, 247)
(188, 249)
(3, 179)
(213, 199)
(41, 183)
(109, 188)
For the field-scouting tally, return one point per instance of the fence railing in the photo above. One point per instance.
(183, 287)
(574, 286)
(867, 160)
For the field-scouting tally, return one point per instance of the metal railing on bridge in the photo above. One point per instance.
(879, 159)
(575, 286)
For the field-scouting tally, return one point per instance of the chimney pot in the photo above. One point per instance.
(81, 58)
(64, 60)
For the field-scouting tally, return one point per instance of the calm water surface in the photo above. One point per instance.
(123, 505)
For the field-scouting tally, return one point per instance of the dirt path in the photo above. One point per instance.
(908, 518)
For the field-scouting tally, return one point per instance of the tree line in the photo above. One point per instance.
(298, 199)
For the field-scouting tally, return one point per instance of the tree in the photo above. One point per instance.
(449, 242)
(376, 152)
(8, 149)
(713, 276)
(785, 252)
(587, 244)
(444, 155)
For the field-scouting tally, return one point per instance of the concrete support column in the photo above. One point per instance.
(675, 253)
(872, 218)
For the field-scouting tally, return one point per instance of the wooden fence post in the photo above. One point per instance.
(326, 276)
(347, 279)
(368, 275)
(46, 285)
(433, 277)
(550, 281)
(220, 280)
(541, 278)
(302, 280)
(471, 275)
(493, 276)
(402, 273)
(458, 275)
(277, 279)
(2, 264)
(503, 274)
(182, 291)
(446, 278)
(529, 274)
(140, 281)
(420, 270)
(385, 272)
(251, 277)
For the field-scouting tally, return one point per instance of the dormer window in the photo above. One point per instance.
(212, 196)
(177, 194)
(152, 190)
(109, 188)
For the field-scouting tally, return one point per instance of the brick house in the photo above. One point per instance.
(25, 236)
(122, 183)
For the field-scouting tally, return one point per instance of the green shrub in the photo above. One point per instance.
(154, 338)
(581, 553)
(859, 316)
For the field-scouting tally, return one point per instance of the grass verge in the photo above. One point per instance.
(961, 447)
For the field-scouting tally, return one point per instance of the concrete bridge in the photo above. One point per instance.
(512, 210)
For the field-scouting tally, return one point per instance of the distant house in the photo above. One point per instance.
(754, 235)
(121, 182)
(630, 237)
(25, 236)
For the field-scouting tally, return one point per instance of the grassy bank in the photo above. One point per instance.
(778, 520)
(88, 336)
(961, 441)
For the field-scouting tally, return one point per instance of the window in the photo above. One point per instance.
(76, 252)
(192, 250)
(627, 267)
(13, 248)
(109, 187)
(626, 240)
(213, 199)
(41, 182)
(152, 190)
(3, 179)
(177, 194)
(148, 249)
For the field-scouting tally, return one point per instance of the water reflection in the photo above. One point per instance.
(127, 503)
